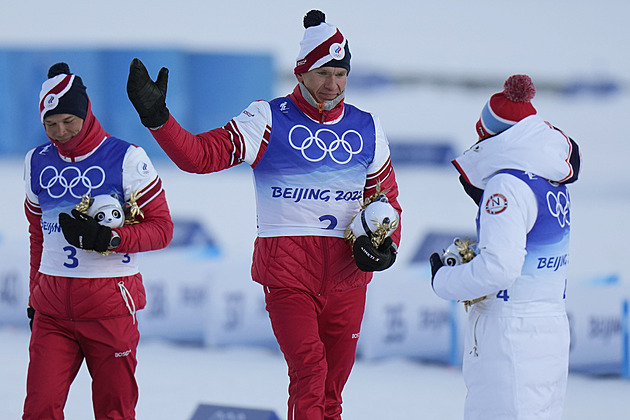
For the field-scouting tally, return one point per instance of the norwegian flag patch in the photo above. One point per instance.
(497, 203)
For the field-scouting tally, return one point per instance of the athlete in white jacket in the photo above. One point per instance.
(517, 341)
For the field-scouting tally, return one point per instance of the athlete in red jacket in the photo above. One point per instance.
(314, 159)
(85, 287)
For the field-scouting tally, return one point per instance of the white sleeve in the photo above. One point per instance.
(381, 152)
(139, 175)
(254, 125)
(508, 211)
(30, 195)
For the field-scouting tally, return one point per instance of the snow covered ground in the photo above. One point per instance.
(555, 42)
(174, 379)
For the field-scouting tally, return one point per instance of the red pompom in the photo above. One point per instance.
(519, 88)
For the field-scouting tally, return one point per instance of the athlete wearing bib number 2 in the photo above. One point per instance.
(516, 350)
(85, 284)
(314, 160)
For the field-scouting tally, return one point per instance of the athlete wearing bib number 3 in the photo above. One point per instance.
(314, 160)
(516, 346)
(85, 286)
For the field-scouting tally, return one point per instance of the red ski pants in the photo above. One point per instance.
(56, 352)
(318, 336)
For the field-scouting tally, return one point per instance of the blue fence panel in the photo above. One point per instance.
(216, 80)
(205, 90)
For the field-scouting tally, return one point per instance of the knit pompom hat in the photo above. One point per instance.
(322, 45)
(62, 93)
(504, 109)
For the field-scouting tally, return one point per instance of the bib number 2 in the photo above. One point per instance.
(332, 221)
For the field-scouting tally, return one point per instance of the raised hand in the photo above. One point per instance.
(148, 97)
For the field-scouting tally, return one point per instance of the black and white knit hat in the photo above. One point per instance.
(62, 93)
(322, 45)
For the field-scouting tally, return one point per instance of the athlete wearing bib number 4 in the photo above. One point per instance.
(516, 346)
(85, 287)
(314, 160)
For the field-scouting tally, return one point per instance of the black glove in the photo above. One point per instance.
(147, 96)
(30, 313)
(84, 232)
(436, 264)
(369, 258)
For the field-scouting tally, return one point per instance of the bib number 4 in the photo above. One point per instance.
(503, 294)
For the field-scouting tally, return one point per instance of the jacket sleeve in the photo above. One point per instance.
(154, 230)
(143, 186)
(36, 238)
(242, 139)
(33, 214)
(501, 248)
(381, 173)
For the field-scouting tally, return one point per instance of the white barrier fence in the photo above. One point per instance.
(200, 289)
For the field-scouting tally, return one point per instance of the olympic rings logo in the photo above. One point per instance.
(71, 180)
(558, 206)
(314, 147)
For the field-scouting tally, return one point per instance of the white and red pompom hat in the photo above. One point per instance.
(504, 109)
(62, 93)
(323, 44)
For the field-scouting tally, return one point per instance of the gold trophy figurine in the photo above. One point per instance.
(460, 252)
(377, 219)
(107, 210)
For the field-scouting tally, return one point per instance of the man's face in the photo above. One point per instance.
(62, 127)
(325, 83)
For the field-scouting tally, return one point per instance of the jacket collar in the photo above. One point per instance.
(86, 141)
(321, 112)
